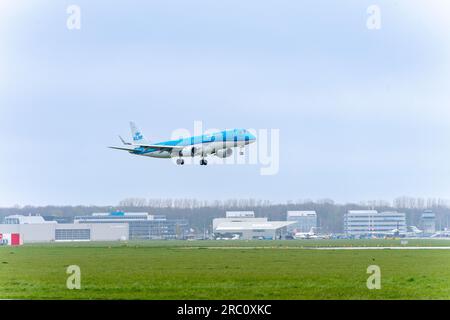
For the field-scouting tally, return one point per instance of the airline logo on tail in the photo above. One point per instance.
(136, 133)
(138, 136)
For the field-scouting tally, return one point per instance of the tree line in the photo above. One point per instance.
(200, 213)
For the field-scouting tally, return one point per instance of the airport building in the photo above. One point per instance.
(428, 222)
(19, 219)
(374, 223)
(244, 225)
(36, 229)
(304, 221)
(142, 226)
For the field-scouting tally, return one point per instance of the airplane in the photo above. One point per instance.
(394, 233)
(219, 144)
(308, 235)
(441, 234)
(413, 231)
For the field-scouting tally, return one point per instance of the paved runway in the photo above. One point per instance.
(381, 248)
(319, 248)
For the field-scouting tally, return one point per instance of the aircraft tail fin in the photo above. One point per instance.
(136, 133)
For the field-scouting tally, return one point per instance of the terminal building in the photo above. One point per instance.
(36, 229)
(428, 222)
(142, 226)
(304, 221)
(244, 225)
(373, 223)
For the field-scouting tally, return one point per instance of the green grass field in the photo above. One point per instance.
(224, 270)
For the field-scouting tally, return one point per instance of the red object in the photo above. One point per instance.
(15, 239)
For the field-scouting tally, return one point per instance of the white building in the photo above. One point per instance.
(240, 214)
(116, 216)
(428, 222)
(36, 229)
(374, 223)
(304, 221)
(142, 225)
(246, 226)
(19, 219)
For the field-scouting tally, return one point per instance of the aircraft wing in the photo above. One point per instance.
(149, 146)
(159, 146)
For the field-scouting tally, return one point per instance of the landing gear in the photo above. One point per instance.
(180, 162)
(241, 151)
(203, 162)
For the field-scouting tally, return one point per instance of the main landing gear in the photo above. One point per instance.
(203, 162)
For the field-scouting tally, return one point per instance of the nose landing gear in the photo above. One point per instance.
(180, 162)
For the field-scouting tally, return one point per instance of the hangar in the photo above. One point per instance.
(244, 225)
(36, 229)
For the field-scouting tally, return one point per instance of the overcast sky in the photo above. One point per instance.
(363, 114)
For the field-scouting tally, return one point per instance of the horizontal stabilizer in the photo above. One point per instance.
(123, 141)
(123, 148)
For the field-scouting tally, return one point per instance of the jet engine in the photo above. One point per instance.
(188, 152)
(224, 153)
